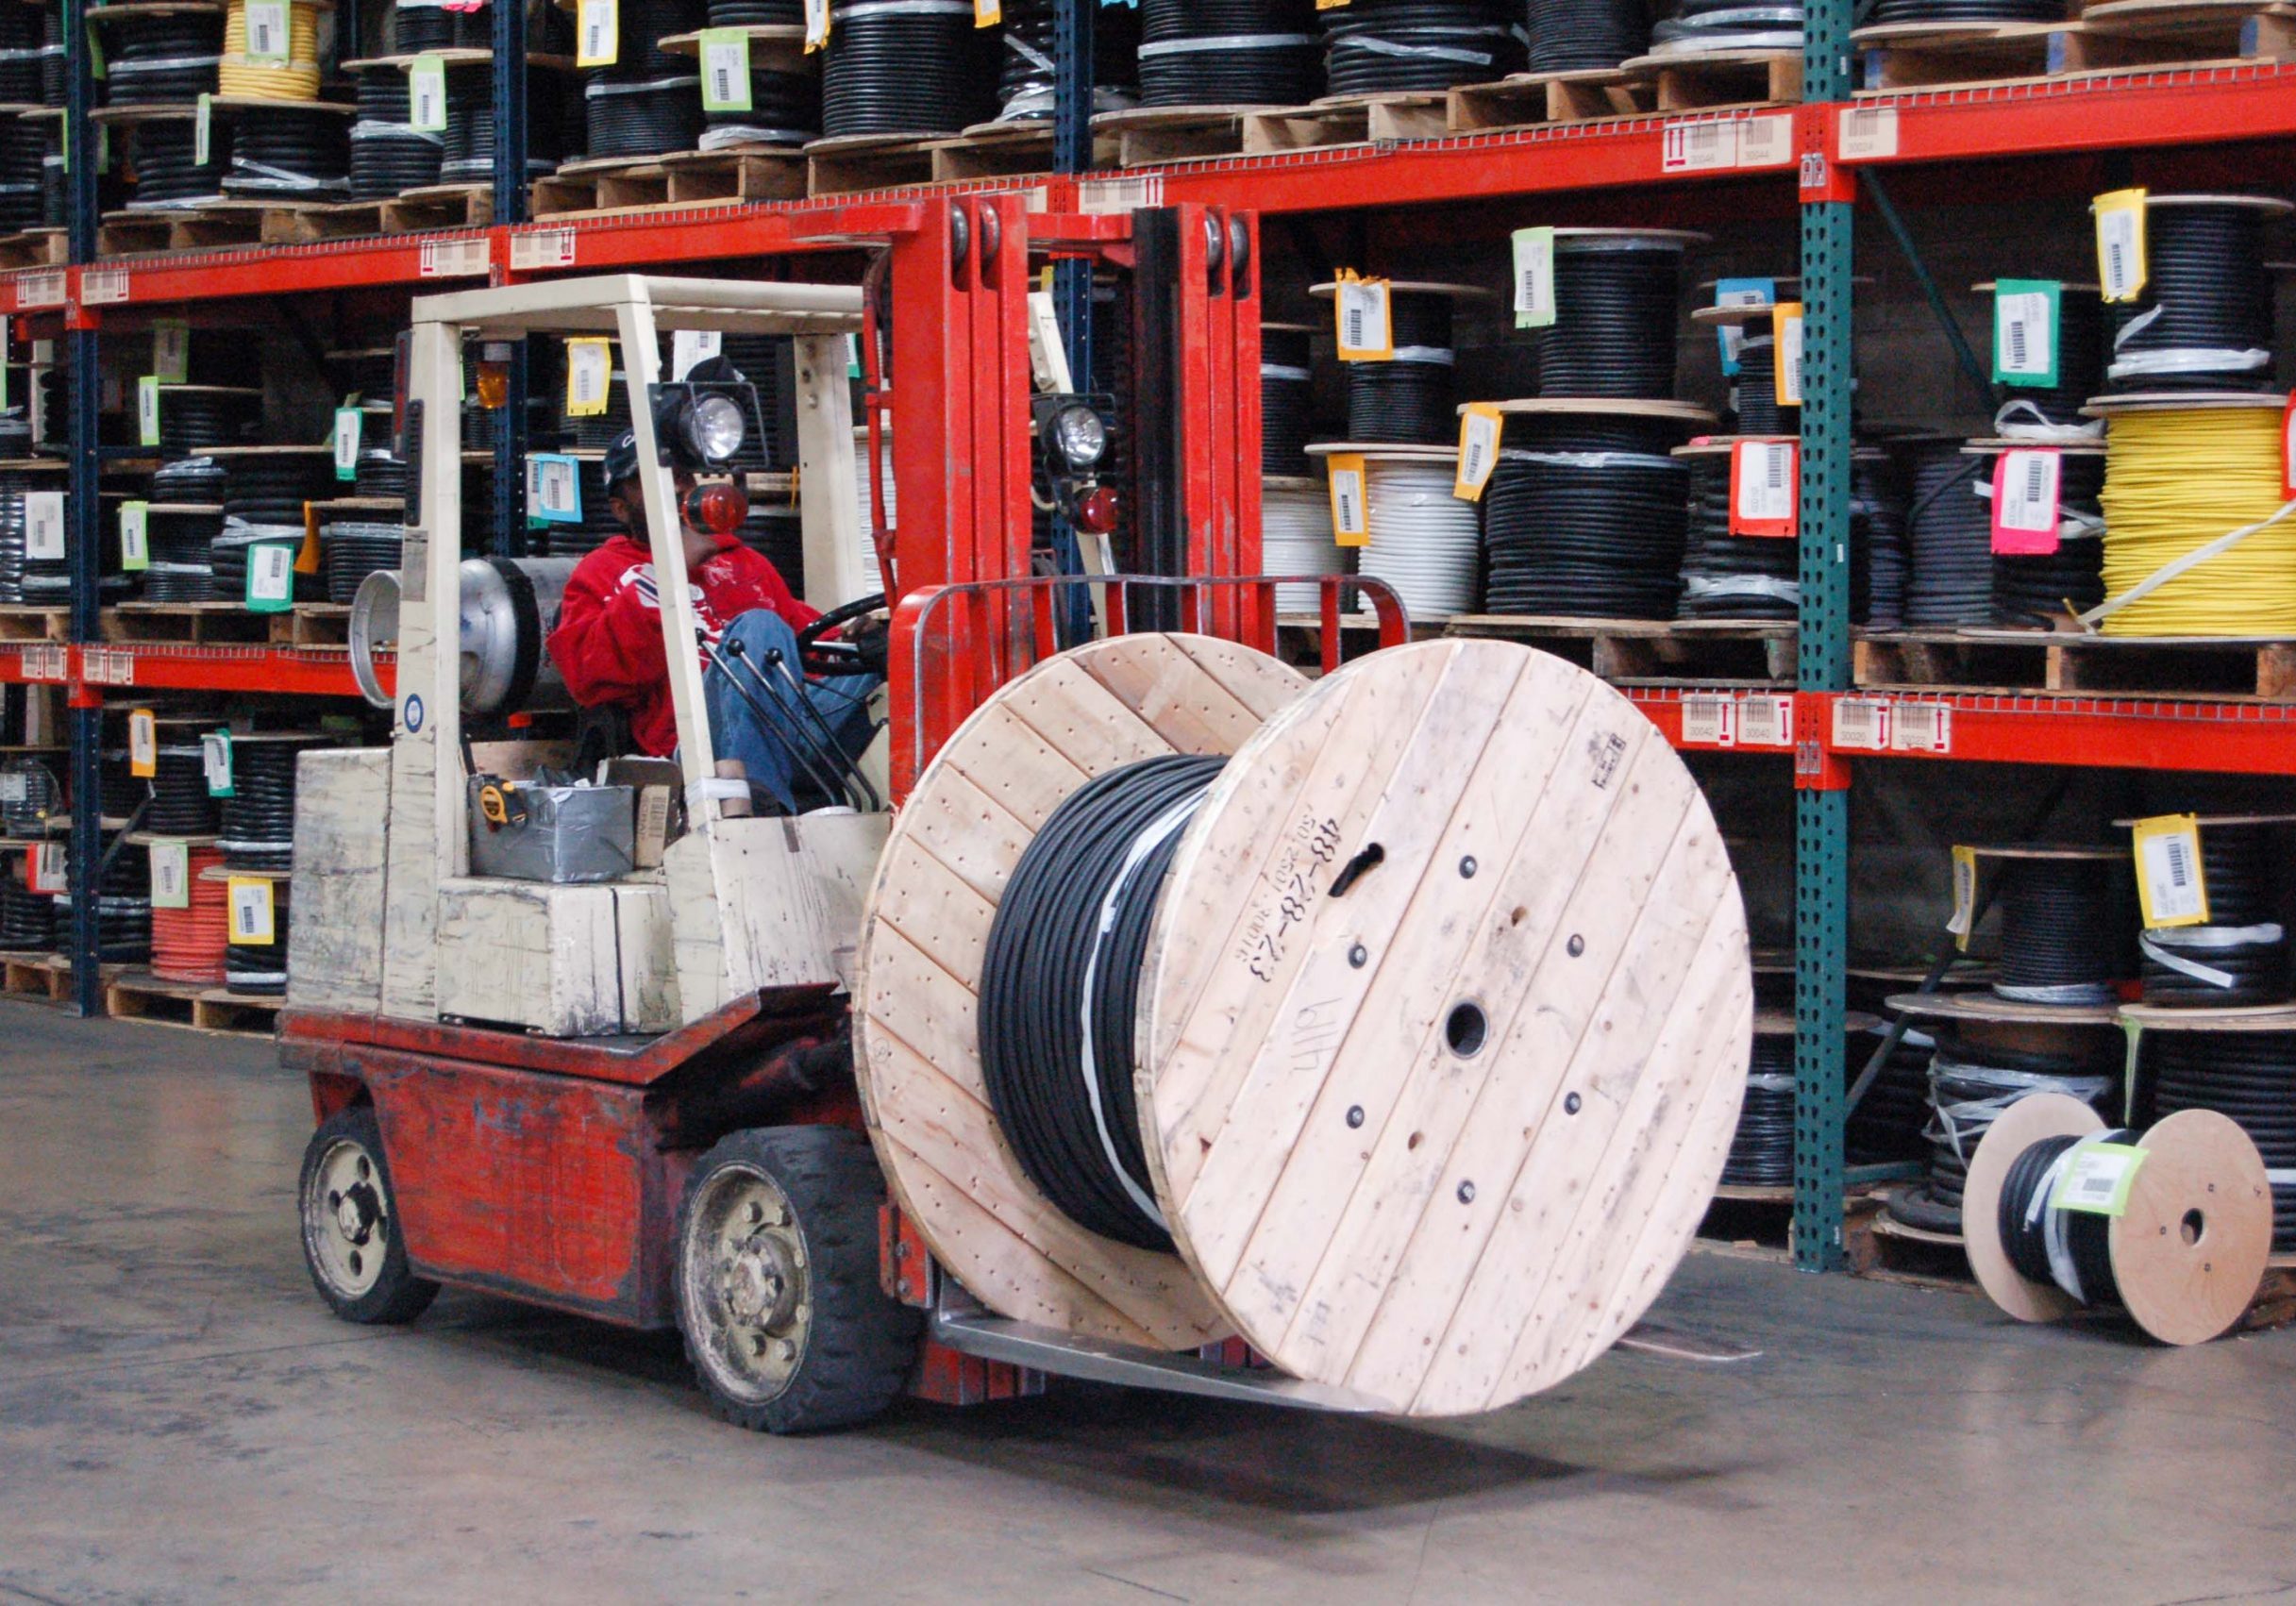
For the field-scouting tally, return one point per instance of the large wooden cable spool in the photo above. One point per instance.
(1438, 1140)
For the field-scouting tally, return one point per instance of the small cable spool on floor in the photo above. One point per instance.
(2238, 957)
(1230, 53)
(295, 76)
(1420, 540)
(1450, 1106)
(2241, 1065)
(2204, 320)
(1418, 47)
(1411, 397)
(162, 158)
(2197, 539)
(906, 67)
(1288, 394)
(1295, 537)
(2183, 1253)
(1587, 512)
(160, 59)
(1726, 576)
(2047, 590)
(188, 942)
(1616, 292)
(1581, 36)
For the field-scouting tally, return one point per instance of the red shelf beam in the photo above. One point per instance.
(2167, 106)
(2098, 732)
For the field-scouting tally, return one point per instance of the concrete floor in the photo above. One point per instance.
(180, 1420)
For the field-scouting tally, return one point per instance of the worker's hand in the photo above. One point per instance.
(872, 637)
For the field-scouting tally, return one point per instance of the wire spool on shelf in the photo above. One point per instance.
(1616, 294)
(2183, 475)
(2041, 414)
(1409, 399)
(1228, 53)
(189, 481)
(349, 552)
(1575, 36)
(1286, 397)
(188, 942)
(1877, 539)
(1964, 12)
(259, 817)
(27, 919)
(784, 102)
(1885, 1126)
(159, 59)
(294, 77)
(22, 147)
(30, 796)
(268, 485)
(1414, 1089)
(1762, 1150)
(2238, 957)
(387, 154)
(194, 419)
(1948, 529)
(2184, 1254)
(1726, 576)
(1754, 397)
(124, 906)
(260, 967)
(2045, 590)
(1391, 46)
(2067, 921)
(756, 14)
(2240, 1064)
(905, 67)
(1295, 537)
(180, 803)
(2204, 320)
(421, 28)
(624, 118)
(290, 153)
(167, 173)
(380, 474)
(1422, 540)
(22, 55)
(1707, 27)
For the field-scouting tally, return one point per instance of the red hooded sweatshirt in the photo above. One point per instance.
(608, 640)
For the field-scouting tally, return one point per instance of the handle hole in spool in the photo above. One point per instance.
(2194, 1227)
(1464, 1028)
(1352, 871)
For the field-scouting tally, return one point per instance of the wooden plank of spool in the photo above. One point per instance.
(1449, 1175)
(953, 848)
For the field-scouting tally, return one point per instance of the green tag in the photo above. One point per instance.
(135, 549)
(172, 351)
(271, 576)
(347, 421)
(95, 51)
(2097, 1178)
(147, 409)
(203, 122)
(725, 70)
(170, 867)
(1534, 278)
(264, 31)
(426, 93)
(2026, 318)
(215, 759)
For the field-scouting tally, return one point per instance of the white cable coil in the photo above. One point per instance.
(1296, 539)
(1424, 540)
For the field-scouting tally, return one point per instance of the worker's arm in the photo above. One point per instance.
(608, 643)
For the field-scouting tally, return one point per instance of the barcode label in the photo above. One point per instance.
(1698, 146)
(51, 660)
(2120, 244)
(600, 43)
(1921, 727)
(987, 13)
(49, 867)
(725, 70)
(1862, 724)
(690, 346)
(1868, 132)
(44, 288)
(15, 787)
(100, 285)
(107, 666)
(427, 95)
(1708, 722)
(452, 259)
(143, 743)
(266, 30)
(250, 899)
(2171, 882)
(1351, 516)
(215, 761)
(270, 573)
(1479, 432)
(554, 488)
(1763, 488)
(135, 547)
(1765, 722)
(1533, 278)
(147, 409)
(349, 421)
(1767, 142)
(1788, 322)
(542, 248)
(1365, 334)
(589, 371)
(1739, 293)
(171, 862)
(817, 23)
(2025, 491)
(2097, 1178)
(43, 524)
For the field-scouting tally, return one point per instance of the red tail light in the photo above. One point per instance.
(1095, 511)
(718, 508)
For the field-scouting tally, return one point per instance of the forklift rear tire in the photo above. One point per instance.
(351, 1241)
(785, 1323)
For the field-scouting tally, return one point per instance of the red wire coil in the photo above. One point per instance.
(188, 943)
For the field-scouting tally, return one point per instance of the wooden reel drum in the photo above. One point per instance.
(1438, 1140)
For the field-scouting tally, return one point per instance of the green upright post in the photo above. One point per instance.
(1821, 814)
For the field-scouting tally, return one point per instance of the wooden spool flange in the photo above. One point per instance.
(2188, 1252)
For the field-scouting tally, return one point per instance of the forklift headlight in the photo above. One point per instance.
(1079, 435)
(714, 427)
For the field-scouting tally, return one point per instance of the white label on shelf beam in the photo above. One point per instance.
(542, 248)
(453, 258)
(98, 286)
(1120, 195)
(1765, 721)
(1862, 724)
(1921, 727)
(47, 661)
(1867, 132)
(107, 666)
(43, 289)
(1767, 142)
(1699, 144)
(1710, 720)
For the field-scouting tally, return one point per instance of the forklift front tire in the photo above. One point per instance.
(351, 1240)
(785, 1323)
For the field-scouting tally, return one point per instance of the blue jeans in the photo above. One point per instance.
(779, 748)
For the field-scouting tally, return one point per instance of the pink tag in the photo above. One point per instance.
(2025, 486)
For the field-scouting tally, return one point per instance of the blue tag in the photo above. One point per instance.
(1739, 293)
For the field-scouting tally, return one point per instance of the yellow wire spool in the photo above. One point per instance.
(2176, 480)
(295, 78)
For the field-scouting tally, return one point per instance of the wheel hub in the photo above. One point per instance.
(759, 1283)
(357, 1211)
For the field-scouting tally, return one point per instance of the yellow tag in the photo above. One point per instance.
(1786, 352)
(987, 13)
(1331, 5)
(1350, 501)
(597, 40)
(1965, 897)
(816, 26)
(143, 743)
(2169, 881)
(2121, 269)
(250, 900)
(1366, 332)
(1480, 425)
(589, 374)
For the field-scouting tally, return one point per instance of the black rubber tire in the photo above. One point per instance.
(397, 1295)
(860, 1345)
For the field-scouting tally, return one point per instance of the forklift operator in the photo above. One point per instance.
(608, 643)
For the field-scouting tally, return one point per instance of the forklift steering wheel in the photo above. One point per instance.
(835, 658)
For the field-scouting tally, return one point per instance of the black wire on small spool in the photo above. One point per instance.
(1757, 388)
(1949, 579)
(272, 487)
(1877, 540)
(27, 919)
(2082, 342)
(1066, 945)
(474, 29)
(1392, 46)
(167, 173)
(227, 557)
(178, 546)
(2039, 590)
(1586, 517)
(289, 152)
(1616, 292)
(1228, 53)
(1025, 70)
(2083, 1240)
(120, 792)
(1574, 36)
(906, 67)
(418, 28)
(259, 818)
(1970, 1086)
(2205, 319)
(387, 154)
(1287, 400)
(2241, 957)
(2249, 1076)
(180, 804)
(1410, 400)
(348, 553)
(193, 421)
(784, 110)
(380, 474)
(200, 480)
(756, 14)
(23, 145)
(261, 968)
(1726, 576)
(166, 59)
(15, 431)
(655, 117)
(1762, 1151)
(1887, 1124)
(1700, 27)
(2064, 929)
(41, 797)
(123, 907)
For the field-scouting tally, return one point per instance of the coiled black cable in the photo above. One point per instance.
(291, 152)
(1572, 36)
(1615, 301)
(259, 818)
(2205, 319)
(756, 14)
(178, 544)
(1287, 400)
(55, 65)
(1052, 959)
(227, 558)
(1025, 68)
(380, 474)
(906, 67)
(1887, 1124)
(180, 805)
(1949, 529)
(2041, 589)
(23, 145)
(1726, 576)
(27, 919)
(1411, 398)
(1762, 1150)
(271, 489)
(387, 154)
(1877, 540)
(166, 59)
(2241, 957)
(1964, 12)
(1757, 388)
(193, 421)
(418, 28)
(2026, 1221)
(784, 110)
(655, 117)
(1587, 517)
(2249, 1076)
(1392, 46)
(2065, 930)
(15, 428)
(198, 480)
(1228, 53)
(123, 907)
(54, 211)
(1699, 27)
(2081, 355)
(1970, 1086)
(261, 968)
(348, 553)
(167, 173)
(34, 796)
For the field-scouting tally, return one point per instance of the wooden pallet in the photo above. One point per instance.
(314, 224)
(1901, 56)
(137, 995)
(19, 623)
(687, 179)
(199, 623)
(1638, 651)
(994, 150)
(43, 978)
(1347, 120)
(1887, 1249)
(2124, 36)
(1724, 79)
(1528, 99)
(34, 248)
(2063, 664)
(1152, 136)
(439, 206)
(318, 624)
(849, 166)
